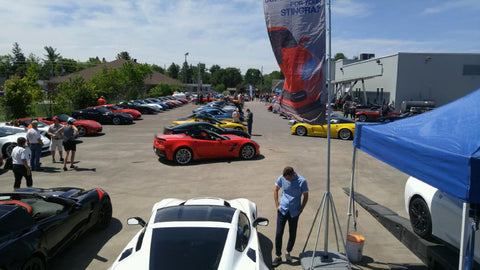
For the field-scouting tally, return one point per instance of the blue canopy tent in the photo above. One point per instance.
(440, 147)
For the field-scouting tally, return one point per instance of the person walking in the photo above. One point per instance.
(69, 132)
(35, 140)
(289, 208)
(20, 157)
(56, 141)
(249, 121)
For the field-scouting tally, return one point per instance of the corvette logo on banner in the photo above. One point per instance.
(297, 33)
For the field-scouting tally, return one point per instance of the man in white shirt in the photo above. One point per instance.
(20, 155)
(56, 137)
(35, 141)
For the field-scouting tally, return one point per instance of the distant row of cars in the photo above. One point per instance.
(202, 135)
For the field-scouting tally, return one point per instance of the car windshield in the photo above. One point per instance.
(195, 213)
(103, 110)
(187, 247)
(116, 108)
(5, 132)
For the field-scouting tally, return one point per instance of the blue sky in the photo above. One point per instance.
(229, 33)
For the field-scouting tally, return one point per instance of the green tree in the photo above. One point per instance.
(158, 68)
(21, 93)
(253, 76)
(19, 64)
(80, 93)
(173, 71)
(124, 55)
(6, 68)
(233, 77)
(163, 89)
(220, 88)
(51, 59)
(339, 56)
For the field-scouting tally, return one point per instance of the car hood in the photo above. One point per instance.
(90, 123)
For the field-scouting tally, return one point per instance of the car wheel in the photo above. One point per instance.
(239, 128)
(104, 213)
(34, 263)
(247, 151)
(345, 134)
(116, 121)
(362, 118)
(82, 131)
(183, 156)
(420, 217)
(7, 149)
(301, 131)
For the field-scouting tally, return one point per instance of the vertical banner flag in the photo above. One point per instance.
(296, 29)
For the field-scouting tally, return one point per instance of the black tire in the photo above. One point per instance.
(362, 118)
(247, 151)
(301, 131)
(82, 131)
(104, 213)
(7, 149)
(420, 217)
(239, 128)
(183, 156)
(34, 263)
(345, 134)
(116, 121)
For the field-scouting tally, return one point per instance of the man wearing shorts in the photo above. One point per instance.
(69, 132)
(56, 139)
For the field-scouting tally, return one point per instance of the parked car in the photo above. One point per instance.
(42, 127)
(117, 109)
(103, 116)
(204, 144)
(395, 117)
(9, 136)
(434, 213)
(219, 114)
(142, 108)
(187, 127)
(37, 224)
(372, 116)
(200, 233)
(85, 127)
(209, 119)
(340, 127)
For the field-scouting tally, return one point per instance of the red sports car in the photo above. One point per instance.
(85, 127)
(371, 116)
(114, 108)
(203, 144)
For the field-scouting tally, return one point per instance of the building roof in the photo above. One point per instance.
(155, 79)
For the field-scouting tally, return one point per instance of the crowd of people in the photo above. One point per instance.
(25, 157)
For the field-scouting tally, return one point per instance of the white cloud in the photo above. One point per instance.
(450, 6)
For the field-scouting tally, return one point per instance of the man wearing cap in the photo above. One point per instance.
(56, 139)
(35, 139)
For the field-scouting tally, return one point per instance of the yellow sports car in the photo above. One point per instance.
(223, 124)
(340, 127)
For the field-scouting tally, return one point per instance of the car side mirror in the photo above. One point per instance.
(136, 221)
(260, 221)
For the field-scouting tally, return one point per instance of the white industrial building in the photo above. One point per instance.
(438, 77)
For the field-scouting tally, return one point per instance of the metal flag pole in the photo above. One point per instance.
(334, 260)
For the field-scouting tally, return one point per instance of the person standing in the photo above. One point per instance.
(20, 168)
(69, 132)
(56, 139)
(236, 116)
(101, 101)
(289, 208)
(35, 140)
(249, 121)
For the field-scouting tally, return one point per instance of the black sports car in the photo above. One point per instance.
(36, 224)
(197, 126)
(103, 116)
(137, 106)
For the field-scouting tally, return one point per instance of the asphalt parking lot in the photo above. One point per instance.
(122, 162)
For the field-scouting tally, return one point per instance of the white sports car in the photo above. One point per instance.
(435, 213)
(8, 141)
(200, 233)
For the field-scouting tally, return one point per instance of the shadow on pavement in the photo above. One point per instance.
(83, 251)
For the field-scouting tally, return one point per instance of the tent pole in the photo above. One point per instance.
(351, 200)
(464, 235)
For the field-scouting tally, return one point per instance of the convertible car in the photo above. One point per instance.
(36, 224)
(372, 116)
(85, 127)
(103, 116)
(142, 108)
(340, 127)
(204, 144)
(188, 127)
(435, 213)
(212, 120)
(9, 136)
(200, 233)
